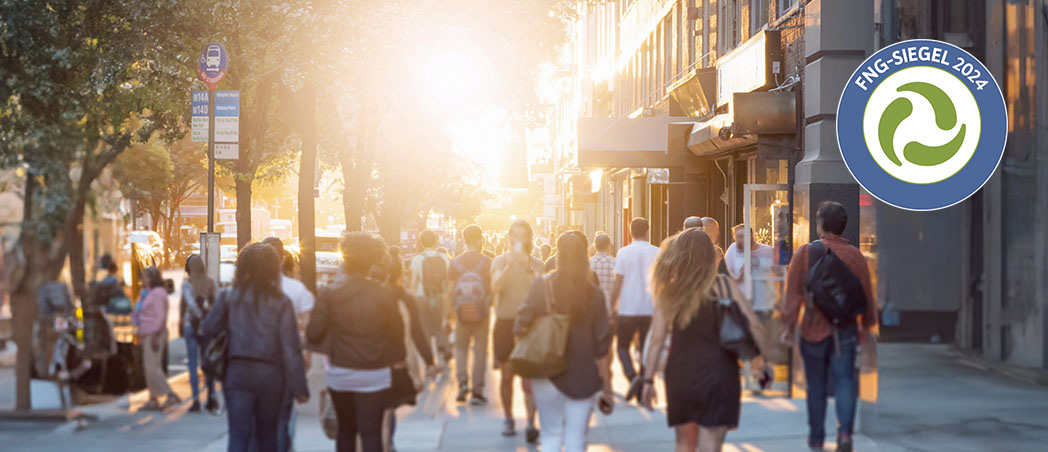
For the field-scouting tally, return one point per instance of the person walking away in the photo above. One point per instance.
(264, 365)
(828, 349)
(631, 299)
(302, 300)
(198, 296)
(429, 270)
(565, 401)
(415, 345)
(701, 377)
(152, 333)
(356, 324)
(712, 229)
(602, 265)
(762, 298)
(512, 273)
(290, 266)
(469, 276)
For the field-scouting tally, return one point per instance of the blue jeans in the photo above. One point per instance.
(254, 392)
(193, 356)
(823, 362)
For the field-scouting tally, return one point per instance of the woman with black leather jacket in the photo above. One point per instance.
(264, 359)
(358, 327)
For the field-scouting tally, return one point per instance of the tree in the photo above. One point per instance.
(144, 171)
(83, 81)
(260, 37)
(158, 177)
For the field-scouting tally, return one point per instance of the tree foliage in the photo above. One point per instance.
(82, 81)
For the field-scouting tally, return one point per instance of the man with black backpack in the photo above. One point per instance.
(829, 279)
(469, 276)
(429, 277)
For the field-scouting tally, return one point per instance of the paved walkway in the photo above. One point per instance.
(932, 399)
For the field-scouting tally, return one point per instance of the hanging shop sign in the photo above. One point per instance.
(754, 65)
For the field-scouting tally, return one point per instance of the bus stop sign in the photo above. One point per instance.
(213, 63)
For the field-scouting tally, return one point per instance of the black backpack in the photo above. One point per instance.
(832, 287)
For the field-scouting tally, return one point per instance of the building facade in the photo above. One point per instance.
(727, 108)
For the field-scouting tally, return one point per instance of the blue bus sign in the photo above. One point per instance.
(213, 64)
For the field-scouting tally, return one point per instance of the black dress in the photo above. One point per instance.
(702, 378)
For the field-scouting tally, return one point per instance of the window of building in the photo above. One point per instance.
(727, 26)
(679, 59)
(758, 15)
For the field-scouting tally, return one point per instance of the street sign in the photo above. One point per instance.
(227, 116)
(213, 64)
(227, 151)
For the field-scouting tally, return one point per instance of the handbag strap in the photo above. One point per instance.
(547, 282)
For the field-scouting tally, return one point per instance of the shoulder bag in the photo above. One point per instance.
(540, 351)
(216, 354)
(734, 328)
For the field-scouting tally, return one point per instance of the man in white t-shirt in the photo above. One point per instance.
(302, 300)
(761, 299)
(760, 262)
(631, 300)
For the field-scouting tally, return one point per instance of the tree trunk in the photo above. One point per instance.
(42, 261)
(75, 236)
(306, 176)
(243, 189)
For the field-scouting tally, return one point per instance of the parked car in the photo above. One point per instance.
(227, 264)
(145, 239)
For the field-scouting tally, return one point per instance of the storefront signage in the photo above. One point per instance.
(750, 66)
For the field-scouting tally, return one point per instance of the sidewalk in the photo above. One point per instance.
(931, 399)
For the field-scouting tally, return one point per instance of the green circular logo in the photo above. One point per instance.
(921, 125)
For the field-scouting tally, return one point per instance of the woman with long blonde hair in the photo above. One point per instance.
(702, 385)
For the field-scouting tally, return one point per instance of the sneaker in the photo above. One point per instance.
(172, 400)
(195, 407)
(531, 435)
(212, 405)
(844, 445)
(478, 399)
(508, 429)
(151, 405)
(463, 393)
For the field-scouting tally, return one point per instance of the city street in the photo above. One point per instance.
(951, 405)
(850, 197)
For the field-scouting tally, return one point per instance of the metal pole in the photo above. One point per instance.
(210, 158)
(307, 174)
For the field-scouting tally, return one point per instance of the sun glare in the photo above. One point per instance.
(451, 78)
(483, 137)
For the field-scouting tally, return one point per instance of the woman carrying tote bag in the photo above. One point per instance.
(565, 400)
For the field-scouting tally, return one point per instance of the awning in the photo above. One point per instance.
(705, 137)
(628, 142)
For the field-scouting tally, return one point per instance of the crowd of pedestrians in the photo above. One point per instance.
(687, 309)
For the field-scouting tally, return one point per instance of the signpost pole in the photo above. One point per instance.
(210, 158)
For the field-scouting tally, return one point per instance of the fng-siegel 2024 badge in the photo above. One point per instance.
(922, 124)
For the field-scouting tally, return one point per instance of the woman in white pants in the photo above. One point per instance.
(565, 401)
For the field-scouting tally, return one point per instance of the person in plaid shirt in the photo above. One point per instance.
(603, 265)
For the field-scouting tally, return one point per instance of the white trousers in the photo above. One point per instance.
(564, 421)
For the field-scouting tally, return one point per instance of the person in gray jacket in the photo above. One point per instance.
(264, 358)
